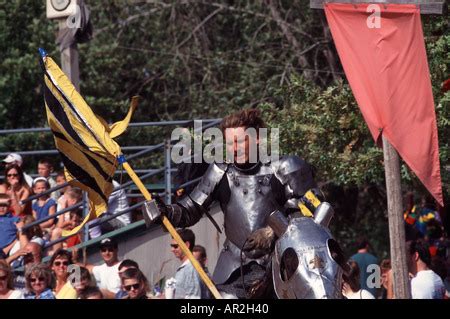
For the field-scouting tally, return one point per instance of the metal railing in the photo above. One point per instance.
(141, 151)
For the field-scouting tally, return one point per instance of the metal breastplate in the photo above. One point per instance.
(251, 201)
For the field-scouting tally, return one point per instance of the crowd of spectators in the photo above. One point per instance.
(24, 243)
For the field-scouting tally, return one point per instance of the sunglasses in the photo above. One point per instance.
(4, 205)
(58, 263)
(41, 279)
(135, 287)
(3, 277)
(12, 175)
(104, 250)
(174, 246)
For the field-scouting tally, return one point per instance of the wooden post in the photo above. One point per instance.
(396, 223)
(392, 165)
(69, 60)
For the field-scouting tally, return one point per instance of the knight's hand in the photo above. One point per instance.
(153, 209)
(259, 243)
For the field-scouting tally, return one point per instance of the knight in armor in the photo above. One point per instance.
(248, 193)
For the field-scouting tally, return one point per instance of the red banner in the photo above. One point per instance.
(382, 51)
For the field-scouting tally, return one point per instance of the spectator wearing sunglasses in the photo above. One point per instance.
(188, 283)
(16, 159)
(38, 281)
(18, 190)
(135, 284)
(31, 255)
(107, 274)
(59, 263)
(125, 265)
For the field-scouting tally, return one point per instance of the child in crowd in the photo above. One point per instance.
(68, 220)
(44, 206)
(45, 168)
(72, 196)
(76, 217)
(62, 200)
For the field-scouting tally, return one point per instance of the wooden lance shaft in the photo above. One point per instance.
(174, 234)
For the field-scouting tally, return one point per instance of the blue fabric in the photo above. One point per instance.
(42, 211)
(426, 214)
(188, 283)
(364, 260)
(46, 294)
(8, 229)
(121, 294)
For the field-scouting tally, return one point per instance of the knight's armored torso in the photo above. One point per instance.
(247, 197)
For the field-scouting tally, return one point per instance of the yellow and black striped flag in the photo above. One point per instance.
(85, 141)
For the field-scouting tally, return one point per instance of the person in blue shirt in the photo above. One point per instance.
(44, 205)
(364, 259)
(188, 284)
(8, 228)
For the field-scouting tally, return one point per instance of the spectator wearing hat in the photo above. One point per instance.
(14, 158)
(18, 190)
(107, 274)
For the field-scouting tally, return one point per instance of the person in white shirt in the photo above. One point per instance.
(117, 202)
(425, 284)
(107, 274)
(351, 286)
(7, 290)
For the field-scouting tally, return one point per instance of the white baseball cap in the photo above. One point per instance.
(13, 157)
